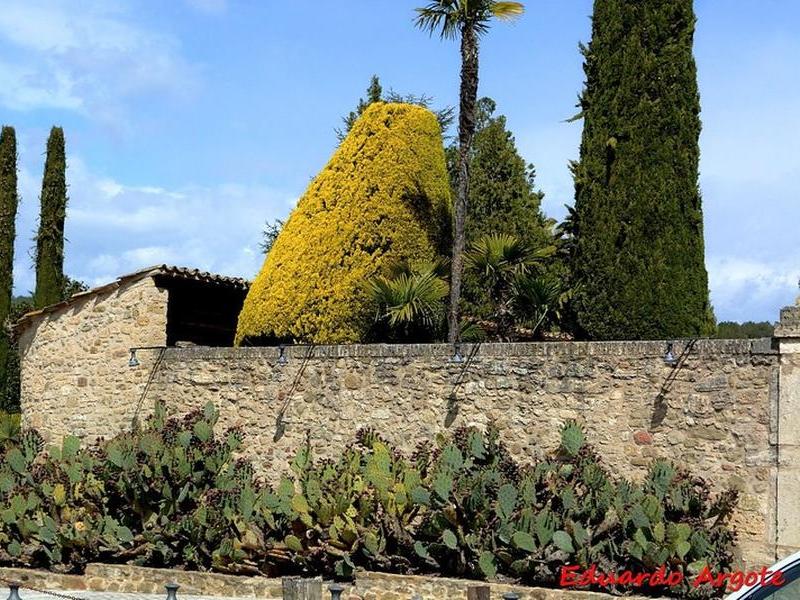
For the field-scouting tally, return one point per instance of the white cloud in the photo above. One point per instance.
(109, 187)
(103, 263)
(746, 289)
(149, 255)
(90, 57)
(26, 88)
(114, 228)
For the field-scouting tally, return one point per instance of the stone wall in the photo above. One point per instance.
(728, 411)
(385, 586)
(74, 371)
(714, 413)
(367, 585)
(787, 433)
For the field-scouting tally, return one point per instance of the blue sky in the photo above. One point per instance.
(189, 123)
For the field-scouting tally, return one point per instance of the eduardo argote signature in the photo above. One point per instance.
(577, 577)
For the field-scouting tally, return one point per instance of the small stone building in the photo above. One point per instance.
(75, 354)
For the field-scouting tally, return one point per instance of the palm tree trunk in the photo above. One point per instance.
(466, 131)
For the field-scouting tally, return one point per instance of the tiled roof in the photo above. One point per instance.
(167, 271)
(197, 275)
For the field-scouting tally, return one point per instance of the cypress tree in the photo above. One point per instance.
(50, 239)
(8, 215)
(638, 217)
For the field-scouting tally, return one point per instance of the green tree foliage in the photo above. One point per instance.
(410, 302)
(638, 216)
(503, 198)
(375, 93)
(71, 287)
(50, 238)
(10, 392)
(271, 232)
(522, 299)
(384, 198)
(8, 216)
(730, 330)
(50, 253)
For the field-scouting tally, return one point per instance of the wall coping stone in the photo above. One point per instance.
(146, 580)
(789, 325)
(374, 582)
(638, 349)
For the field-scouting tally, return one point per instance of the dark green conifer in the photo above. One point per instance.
(502, 194)
(8, 216)
(638, 218)
(50, 239)
(374, 94)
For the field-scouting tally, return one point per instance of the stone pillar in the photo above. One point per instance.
(787, 336)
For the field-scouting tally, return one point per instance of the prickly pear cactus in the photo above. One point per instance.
(354, 511)
(192, 502)
(174, 493)
(52, 506)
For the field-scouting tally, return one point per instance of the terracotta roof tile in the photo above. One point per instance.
(168, 271)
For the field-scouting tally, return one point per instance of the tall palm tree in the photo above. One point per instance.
(467, 20)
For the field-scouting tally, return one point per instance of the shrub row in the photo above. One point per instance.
(173, 494)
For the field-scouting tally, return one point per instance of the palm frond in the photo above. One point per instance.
(409, 298)
(541, 253)
(534, 299)
(442, 16)
(447, 16)
(439, 266)
(507, 11)
(480, 13)
(9, 428)
(496, 254)
(471, 332)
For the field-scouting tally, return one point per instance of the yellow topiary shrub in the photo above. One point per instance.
(383, 197)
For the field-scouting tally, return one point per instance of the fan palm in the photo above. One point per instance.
(438, 266)
(499, 258)
(500, 261)
(9, 428)
(411, 300)
(467, 19)
(536, 299)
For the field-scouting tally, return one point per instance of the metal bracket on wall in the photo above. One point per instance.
(660, 404)
(452, 398)
(280, 422)
(134, 362)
